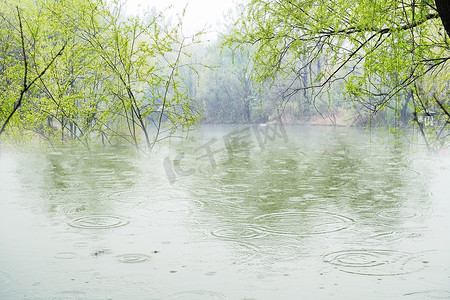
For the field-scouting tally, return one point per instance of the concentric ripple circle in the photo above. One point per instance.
(303, 223)
(398, 214)
(133, 258)
(98, 222)
(374, 262)
(242, 231)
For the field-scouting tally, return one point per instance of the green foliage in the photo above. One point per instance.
(375, 50)
(117, 79)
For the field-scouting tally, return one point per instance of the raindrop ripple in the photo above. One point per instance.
(133, 258)
(303, 223)
(374, 262)
(243, 231)
(98, 222)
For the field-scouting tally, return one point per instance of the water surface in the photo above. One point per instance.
(236, 213)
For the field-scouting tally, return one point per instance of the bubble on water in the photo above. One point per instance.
(303, 223)
(98, 222)
(196, 295)
(374, 262)
(132, 258)
(101, 252)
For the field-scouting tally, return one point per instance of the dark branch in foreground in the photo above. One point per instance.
(26, 85)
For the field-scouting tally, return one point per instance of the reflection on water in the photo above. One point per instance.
(318, 213)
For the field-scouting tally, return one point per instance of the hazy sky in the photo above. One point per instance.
(199, 13)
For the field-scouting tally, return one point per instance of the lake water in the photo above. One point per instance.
(259, 212)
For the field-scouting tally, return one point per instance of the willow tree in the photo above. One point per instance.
(380, 51)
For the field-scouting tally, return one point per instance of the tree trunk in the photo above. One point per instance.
(404, 116)
(248, 116)
(443, 7)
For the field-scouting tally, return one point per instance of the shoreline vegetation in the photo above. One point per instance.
(82, 71)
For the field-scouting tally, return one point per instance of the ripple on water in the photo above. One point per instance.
(133, 258)
(133, 198)
(374, 262)
(221, 252)
(201, 192)
(234, 188)
(102, 172)
(281, 250)
(181, 208)
(98, 222)
(228, 201)
(233, 170)
(122, 285)
(128, 195)
(398, 213)
(431, 294)
(410, 172)
(196, 295)
(65, 255)
(305, 187)
(303, 223)
(238, 232)
(5, 279)
(389, 237)
(69, 295)
(296, 199)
